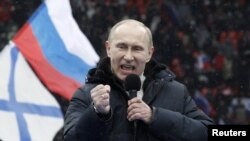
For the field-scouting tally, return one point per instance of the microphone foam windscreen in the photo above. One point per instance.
(132, 82)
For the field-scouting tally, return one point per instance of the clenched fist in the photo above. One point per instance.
(100, 96)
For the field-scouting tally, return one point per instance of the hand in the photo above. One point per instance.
(100, 97)
(138, 109)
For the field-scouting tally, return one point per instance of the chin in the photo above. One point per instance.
(122, 77)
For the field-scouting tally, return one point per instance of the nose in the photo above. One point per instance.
(128, 56)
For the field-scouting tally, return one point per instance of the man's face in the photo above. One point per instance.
(129, 50)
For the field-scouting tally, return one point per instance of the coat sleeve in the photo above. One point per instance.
(82, 122)
(189, 125)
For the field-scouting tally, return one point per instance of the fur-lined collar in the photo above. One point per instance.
(103, 74)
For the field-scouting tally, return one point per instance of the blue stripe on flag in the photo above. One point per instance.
(24, 133)
(53, 47)
(29, 108)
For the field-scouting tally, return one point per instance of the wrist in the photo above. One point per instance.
(95, 109)
(103, 116)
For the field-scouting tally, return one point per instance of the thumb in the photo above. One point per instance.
(107, 87)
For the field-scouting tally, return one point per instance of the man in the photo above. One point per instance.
(102, 110)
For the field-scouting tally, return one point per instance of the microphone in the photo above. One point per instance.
(132, 85)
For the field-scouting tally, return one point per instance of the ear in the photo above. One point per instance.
(107, 45)
(150, 53)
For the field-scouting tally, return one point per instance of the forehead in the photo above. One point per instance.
(130, 32)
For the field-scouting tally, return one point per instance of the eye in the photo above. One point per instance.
(121, 46)
(138, 48)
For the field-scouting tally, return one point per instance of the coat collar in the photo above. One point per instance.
(103, 74)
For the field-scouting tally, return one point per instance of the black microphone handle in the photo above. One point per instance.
(135, 129)
(133, 94)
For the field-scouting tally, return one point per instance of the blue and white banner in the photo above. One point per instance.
(28, 111)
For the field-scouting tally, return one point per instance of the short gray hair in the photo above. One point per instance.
(134, 22)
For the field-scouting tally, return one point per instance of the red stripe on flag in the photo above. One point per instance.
(54, 80)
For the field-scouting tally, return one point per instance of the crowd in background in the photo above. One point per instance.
(205, 43)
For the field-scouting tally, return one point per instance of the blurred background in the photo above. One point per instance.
(205, 43)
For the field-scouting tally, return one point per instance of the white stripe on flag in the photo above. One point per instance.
(42, 128)
(4, 72)
(8, 127)
(74, 40)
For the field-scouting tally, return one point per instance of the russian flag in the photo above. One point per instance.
(57, 50)
(60, 56)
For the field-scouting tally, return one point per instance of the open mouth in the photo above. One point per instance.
(127, 67)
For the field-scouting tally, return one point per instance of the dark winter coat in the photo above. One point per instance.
(175, 115)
